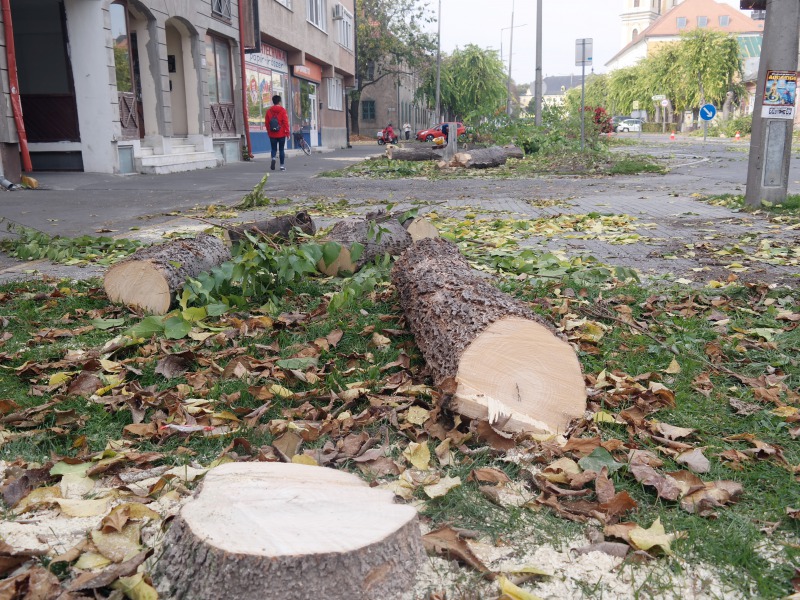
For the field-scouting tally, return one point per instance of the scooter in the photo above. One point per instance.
(383, 138)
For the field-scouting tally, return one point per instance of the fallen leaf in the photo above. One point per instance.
(673, 368)
(75, 485)
(666, 487)
(83, 508)
(92, 561)
(514, 592)
(118, 546)
(441, 488)
(559, 471)
(489, 475)
(417, 415)
(43, 496)
(36, 583)
(121, 514)
(713, 495)
(418, 455)
(175, 365)
(497, 440)
(695, 460)
(653, 537)
(599, 458)
(446, 542)
(673, 433)
(136, 588)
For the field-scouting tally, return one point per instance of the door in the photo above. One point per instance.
(314, 129)
(177, 82)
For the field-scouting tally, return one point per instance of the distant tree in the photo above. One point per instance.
(390, 42)
(596, 94)
(473, 83)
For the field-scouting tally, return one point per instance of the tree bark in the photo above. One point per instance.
(492, 356)
(278, 227)
(416, 153)
(483, 158)
(272, 531)
(150, 277)
(377, 234)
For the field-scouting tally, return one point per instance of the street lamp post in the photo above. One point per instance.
(537, 91)
(439, 63)
(510, 57)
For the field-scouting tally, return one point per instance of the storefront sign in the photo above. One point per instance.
(270, 58)
(310, 71)
(780, 92)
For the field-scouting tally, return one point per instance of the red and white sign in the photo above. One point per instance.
(311, 71)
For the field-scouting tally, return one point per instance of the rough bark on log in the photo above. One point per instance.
(272, 531)
(483, 158)
(377, 235)
(507, 364)
(149, 278)
(278, 227)
(416, 153)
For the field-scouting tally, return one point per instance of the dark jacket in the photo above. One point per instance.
(278, 111)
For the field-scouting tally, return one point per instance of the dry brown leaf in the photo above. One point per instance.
(118, 546)
(618, 505)
(446, 542)
(36, 583)
(498, 441)
(91, 581)
(671, 432)
(715, 494)
(488, 475)
(175, 365)
(695, 460)
(666, 486)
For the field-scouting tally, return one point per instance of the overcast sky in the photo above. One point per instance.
(481, 21)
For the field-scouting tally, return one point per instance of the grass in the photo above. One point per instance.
(679, 323)
(789, 207)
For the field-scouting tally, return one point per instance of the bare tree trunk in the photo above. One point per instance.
(279, 227)
(483, 158)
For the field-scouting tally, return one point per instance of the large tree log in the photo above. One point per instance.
(149, 277)
(279, 227)
(507, 364)
(483, 158)
(271, 531)
(416, 153)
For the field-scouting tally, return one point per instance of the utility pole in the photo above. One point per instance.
(771, 138)
(510, 56)
(439, 64)
(537, 87)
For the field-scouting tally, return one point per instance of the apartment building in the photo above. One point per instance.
(393, 99)
(122, 86)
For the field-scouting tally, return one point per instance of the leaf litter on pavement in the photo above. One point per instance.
(686, 459)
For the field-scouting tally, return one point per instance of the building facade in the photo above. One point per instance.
(126, 85)
(307, 57)
(393, 99)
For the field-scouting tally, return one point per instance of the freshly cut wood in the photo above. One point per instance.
(149, 278)
(420, 228)
(416, 153)
(278, 227)
(483, 158)
(495, 358)
(373, 235)
(273, 531)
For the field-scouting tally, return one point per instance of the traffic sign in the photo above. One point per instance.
(708, 112)
(658, 97)
(583, 52)
(665, 103)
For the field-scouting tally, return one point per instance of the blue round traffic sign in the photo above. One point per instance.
(708, 112)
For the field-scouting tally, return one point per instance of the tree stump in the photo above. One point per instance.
(483, 158)
(507, 364)
(149, 278)
(278, 227)
(272, 531)
(416, 153)
(373, 235)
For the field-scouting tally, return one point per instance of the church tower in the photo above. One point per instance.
(638, 15)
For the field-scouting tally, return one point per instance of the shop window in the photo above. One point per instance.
(221, 8)
(218, 60)
(317, 13)
(368, 110)
(335, 93)
(344, 26)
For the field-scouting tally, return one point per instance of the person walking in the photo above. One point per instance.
(277, 122)
(407, 129)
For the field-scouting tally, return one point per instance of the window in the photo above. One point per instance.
(286, 3)
(681, 22)
(317, 13)
(634, 34)
(221, 8)
(122, 56)
(368, 110)
(702, 22)
(344, 26)
(218, 61)
(724, 20)
(335, 92)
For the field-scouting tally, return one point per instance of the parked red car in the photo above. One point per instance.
(426, 135)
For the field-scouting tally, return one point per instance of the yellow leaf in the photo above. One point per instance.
(352, 394)
(529, 570)
(110, 366)
(514, 592)
(418, 455)
(304, 459)
(38, 497)
(380, 341)
(441, 488)
(118, 546)
(135, 587)
(417, 415)
(401, 488)
(654, 537)
(557, 471)
(673, 368)
(58, 379)
(603, 416)
(83, 508)
(785, 411)
(91, 560)
(281, 391)
(75, 485)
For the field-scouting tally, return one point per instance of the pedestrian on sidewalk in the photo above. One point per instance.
(277, 122)
(407, 129)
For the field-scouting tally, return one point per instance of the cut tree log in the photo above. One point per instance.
(420, 228)
(483, 158)
(272, 531)
(373, 235)
(416, 153)
(278, 227)
(150, 277)
(495, 359)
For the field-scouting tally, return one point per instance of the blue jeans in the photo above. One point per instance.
(278, 143)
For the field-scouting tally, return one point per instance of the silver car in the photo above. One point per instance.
(629, 125)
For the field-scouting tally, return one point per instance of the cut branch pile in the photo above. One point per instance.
(270, 531)
(499, 361)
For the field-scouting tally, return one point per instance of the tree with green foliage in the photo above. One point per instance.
(473, 83)
(390, 42)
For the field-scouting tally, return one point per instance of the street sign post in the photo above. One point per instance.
(707, 112)
(583, 57)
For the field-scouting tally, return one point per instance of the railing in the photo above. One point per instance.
(128, 116)
(223, 118)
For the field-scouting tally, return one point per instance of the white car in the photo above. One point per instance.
(630, 125)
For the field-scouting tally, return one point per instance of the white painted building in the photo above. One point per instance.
(147, 86)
